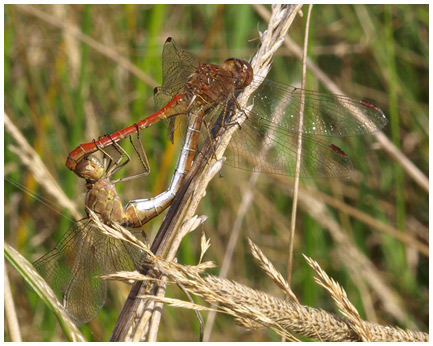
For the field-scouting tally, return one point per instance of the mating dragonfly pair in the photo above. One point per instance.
(197, 91)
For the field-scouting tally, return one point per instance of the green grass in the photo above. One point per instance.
(61, 92)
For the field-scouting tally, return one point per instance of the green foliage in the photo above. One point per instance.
(60, 91)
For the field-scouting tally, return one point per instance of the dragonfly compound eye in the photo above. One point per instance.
(91, 170)
(241, 69)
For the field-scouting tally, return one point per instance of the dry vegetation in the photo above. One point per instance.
(73, 73)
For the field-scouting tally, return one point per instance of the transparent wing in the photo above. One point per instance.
(73, 266)
(273, 123)
(271, 149)
(324, 114)
(177, 65)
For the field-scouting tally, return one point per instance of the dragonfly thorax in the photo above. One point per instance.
(212, 83)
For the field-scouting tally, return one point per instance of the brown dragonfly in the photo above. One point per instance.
(84, 253)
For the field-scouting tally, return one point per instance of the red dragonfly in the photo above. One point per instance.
(190, 86)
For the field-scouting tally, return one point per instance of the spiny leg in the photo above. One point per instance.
(112, 165)
(142, 156)
(141, 153)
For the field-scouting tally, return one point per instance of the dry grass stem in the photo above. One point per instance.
(155, 320)
(299, 148)
(187, 227)
(127, 277)
(34, 164)
(39, 285)
(10, 315)
(177, 303)
(254, 309)
(353, 258)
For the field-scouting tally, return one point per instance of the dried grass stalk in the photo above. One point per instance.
(256, 309)
(253, 309)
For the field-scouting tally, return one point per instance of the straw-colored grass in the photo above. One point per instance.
(75, 72)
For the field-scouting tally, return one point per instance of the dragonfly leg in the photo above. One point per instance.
(208, 131)
(107, 159)
(140, 153)
(115, 165)
(235, 122)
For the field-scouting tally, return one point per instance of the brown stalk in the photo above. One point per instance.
(256, 309)
(299, 149)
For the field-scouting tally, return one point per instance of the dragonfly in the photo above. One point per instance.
(84, 253)
(272, 116)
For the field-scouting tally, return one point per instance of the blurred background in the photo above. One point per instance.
(61, 91)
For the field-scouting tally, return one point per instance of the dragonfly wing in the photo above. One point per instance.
(136, 255)
(264, 147)
(73, 266)
(85, 293)
(70, 269)
(324, 114)
(177, 66)
(115, 255)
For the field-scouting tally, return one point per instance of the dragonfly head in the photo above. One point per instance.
(90, 169)
(242, 70)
